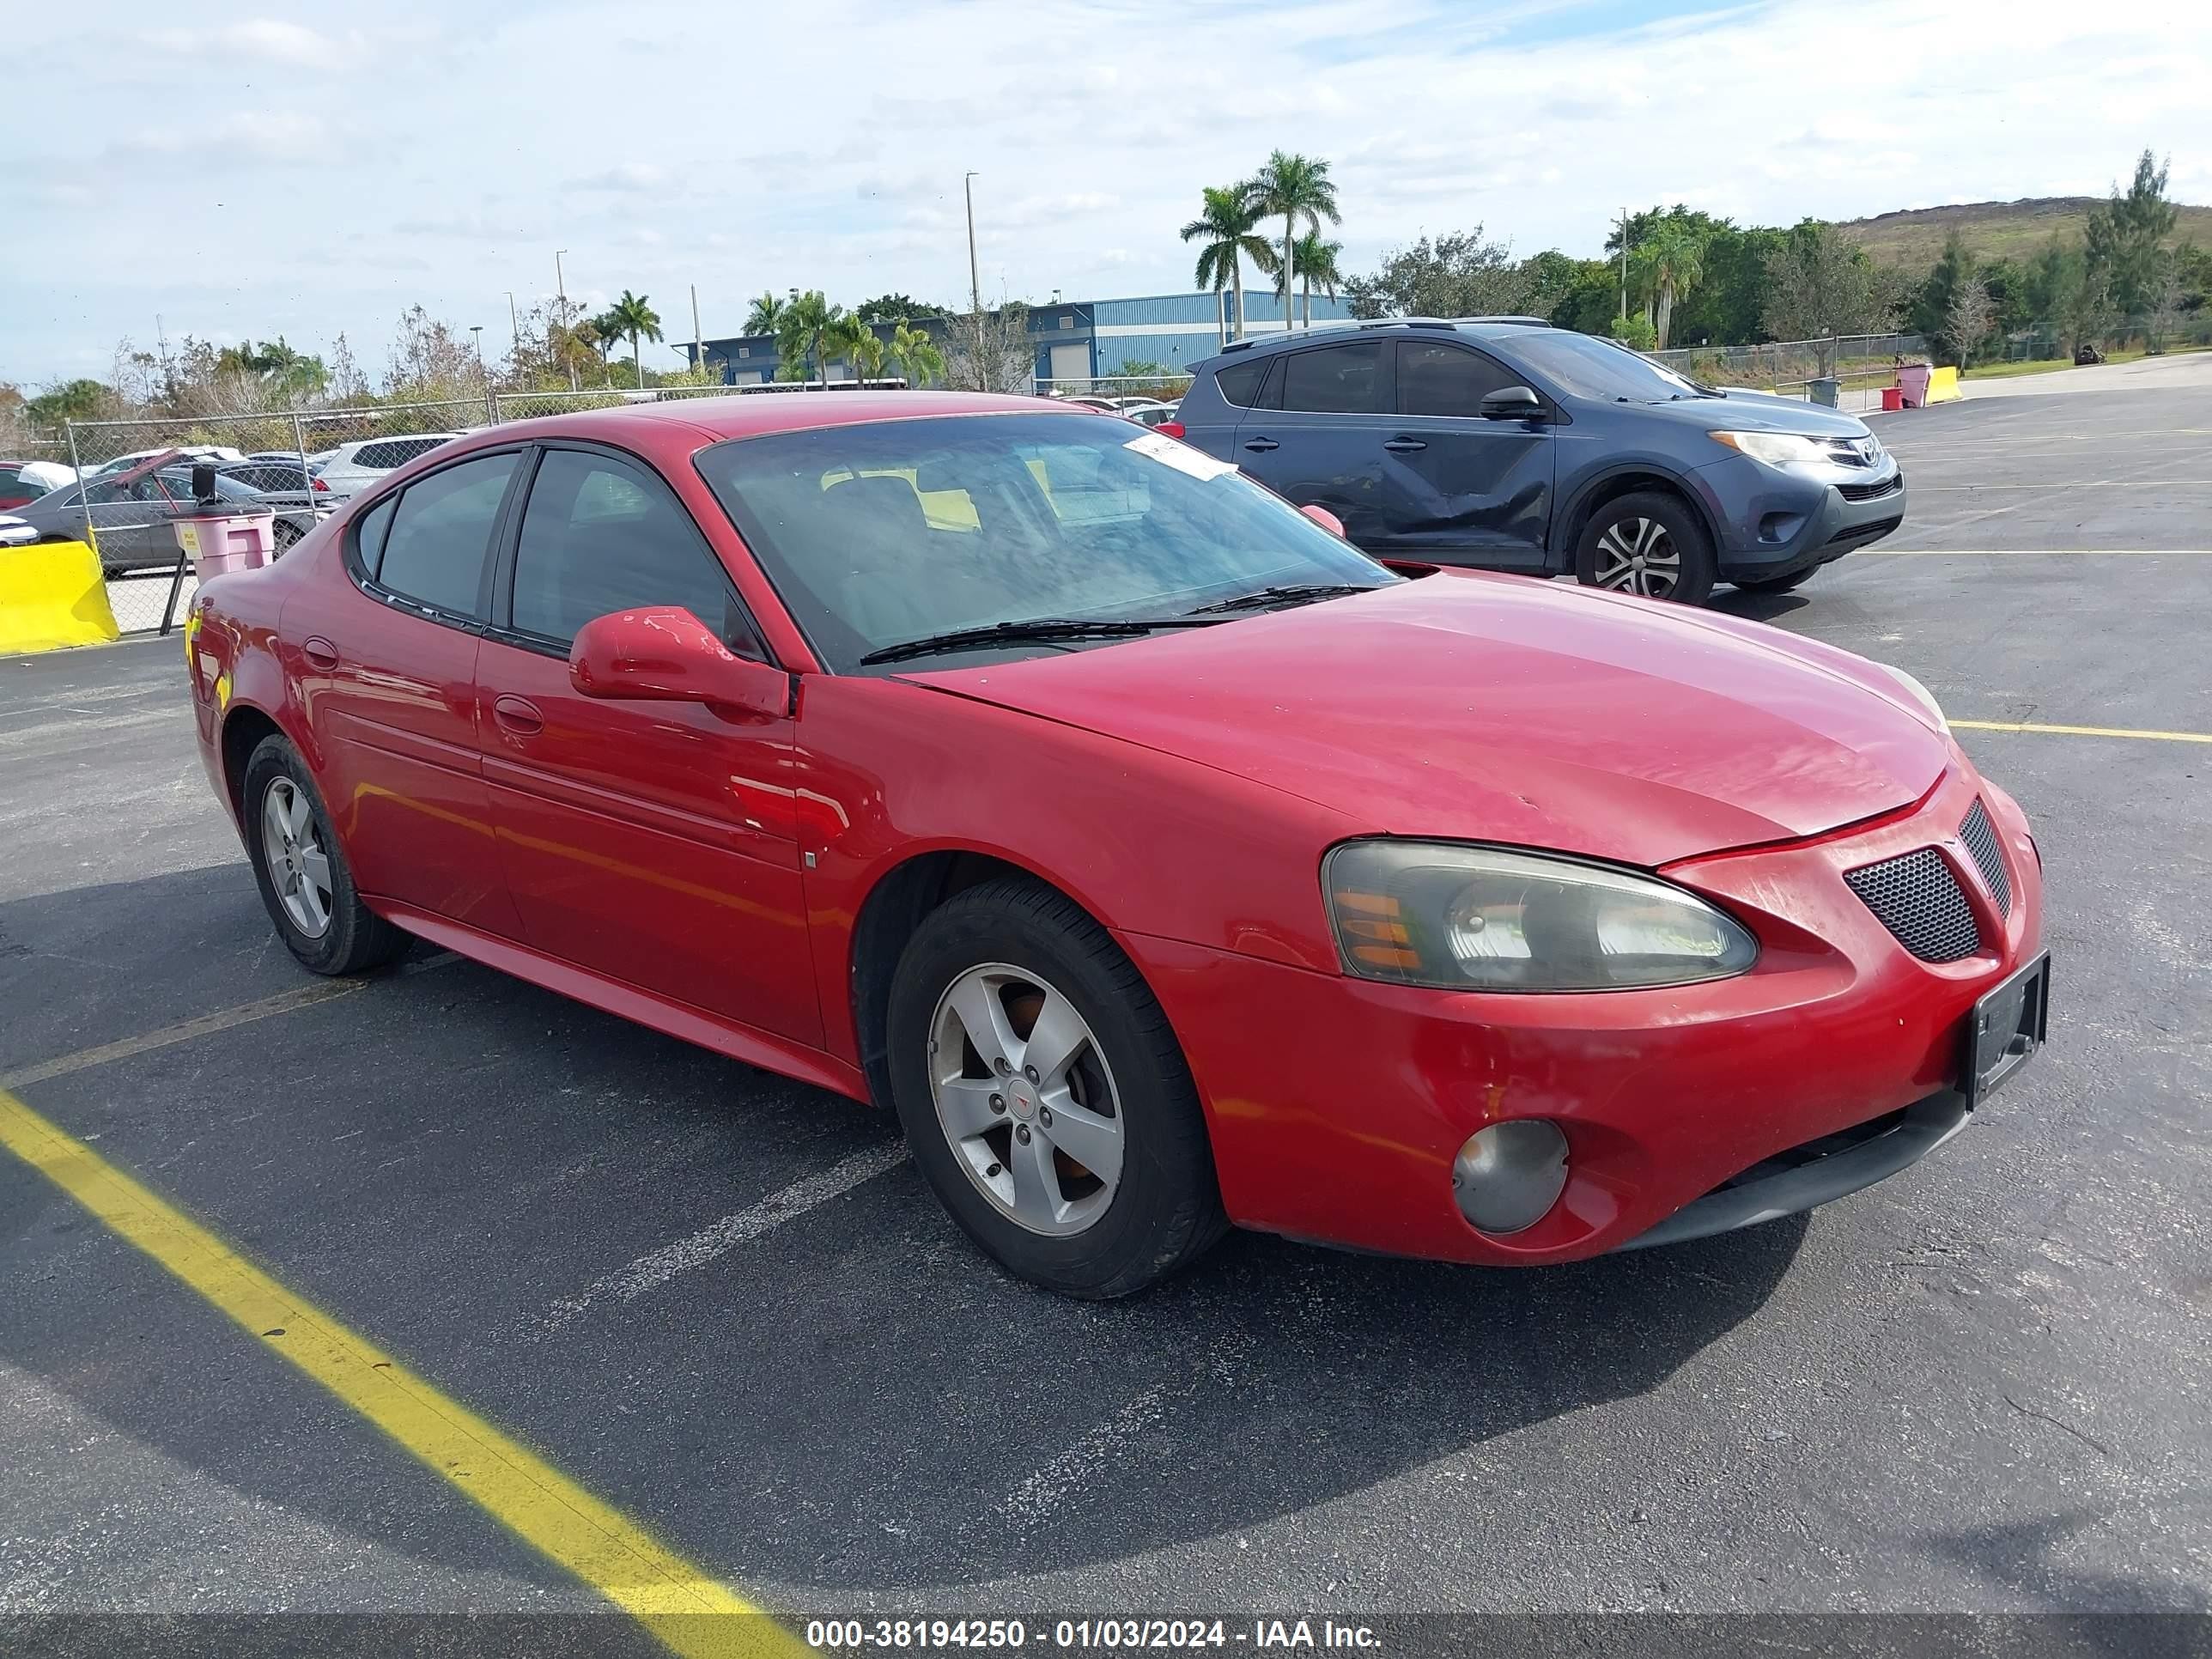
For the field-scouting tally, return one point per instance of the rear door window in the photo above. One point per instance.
(1351, 379)
(441, 536)
(1435, 378)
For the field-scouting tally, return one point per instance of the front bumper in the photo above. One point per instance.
(1337, 1105)
(1775, 523)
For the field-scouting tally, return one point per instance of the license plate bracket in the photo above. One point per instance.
(2005, 1029)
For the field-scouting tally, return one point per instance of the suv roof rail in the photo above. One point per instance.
(1524, 322)
(1341, 325)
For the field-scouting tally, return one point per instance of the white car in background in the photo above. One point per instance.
(184, 451)
(354, 467)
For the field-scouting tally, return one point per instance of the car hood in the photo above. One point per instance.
(1738, 410)
(1497, 709)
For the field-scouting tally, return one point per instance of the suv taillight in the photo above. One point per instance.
(1170, 429)
(320, 485)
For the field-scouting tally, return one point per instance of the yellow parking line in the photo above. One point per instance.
(690, 1612)
(185, 1030)
(2082, 730)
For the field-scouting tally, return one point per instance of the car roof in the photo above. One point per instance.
(691, 422)
(1283, 340)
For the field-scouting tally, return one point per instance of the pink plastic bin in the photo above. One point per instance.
(221, 542)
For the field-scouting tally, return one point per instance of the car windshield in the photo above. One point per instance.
(1587, 366)
(882, 533)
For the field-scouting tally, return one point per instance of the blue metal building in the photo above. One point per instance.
(1077, 341)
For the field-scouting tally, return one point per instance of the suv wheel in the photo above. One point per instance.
(1649, 543)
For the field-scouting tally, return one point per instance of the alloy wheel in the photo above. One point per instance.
(299, 867)
(1636, 556)
(1025, 1099)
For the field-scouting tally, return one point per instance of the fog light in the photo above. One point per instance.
(1507, 1176)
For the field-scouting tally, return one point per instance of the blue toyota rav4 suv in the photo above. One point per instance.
(1507, 443)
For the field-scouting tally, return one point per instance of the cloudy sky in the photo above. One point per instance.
(323, 170)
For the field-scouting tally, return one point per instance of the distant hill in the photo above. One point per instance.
(1913, 238)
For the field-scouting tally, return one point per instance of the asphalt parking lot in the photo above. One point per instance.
(724, 1305)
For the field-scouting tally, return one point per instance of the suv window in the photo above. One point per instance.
(1352, 378)
(368, 539)
(1241, 384)
(601, 535)
(440, 533)
(1437, 379)
(385, 455)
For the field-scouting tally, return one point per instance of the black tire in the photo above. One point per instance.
(1775, 584)
(1695, 568)
(1166, 1209)
(357, 939)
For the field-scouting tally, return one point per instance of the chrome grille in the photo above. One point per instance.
(1872, 492)
(1854, 452)
(1917, 898)
(1981, 839)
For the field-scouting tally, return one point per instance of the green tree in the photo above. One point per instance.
(806, 328)
(1635, 331)
(919, 360)
(1226, 233)
(1820, 282)
(892, 308)
(1972, 311)
(1673, 261)
(1456, 275)
(69, 400)
(1298, 187)
(856, 342)
(1931, 311)
(1313, 262)
(2125, 236)
(632, 316)
(766, 316)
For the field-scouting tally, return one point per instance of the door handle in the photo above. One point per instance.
(1404, 446)
(518, 716)
(320, 652)
(1262, 444)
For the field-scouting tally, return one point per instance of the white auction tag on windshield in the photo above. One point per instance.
(1180, 456)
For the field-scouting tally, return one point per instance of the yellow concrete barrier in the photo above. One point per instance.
(51, 595)
(1943, 387)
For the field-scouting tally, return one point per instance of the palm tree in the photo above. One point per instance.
(808, 322)
(1673, 259)
(599, 332)
(631, 315)
(1224, 231)
(767, 315)
(1298, 187)
(916, 355)
(856, 342)
(1314, 262)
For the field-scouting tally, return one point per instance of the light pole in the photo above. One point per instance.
(974, 283)
(513, 328)
(475, 330)
(560, 289)
(1624, 264)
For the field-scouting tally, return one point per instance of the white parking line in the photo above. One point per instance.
(650, 1272)
(1097, 1448)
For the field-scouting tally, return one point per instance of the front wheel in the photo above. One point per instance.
(1044, 1095)
(1649, 543)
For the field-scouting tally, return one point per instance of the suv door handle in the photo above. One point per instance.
(518, 716)
(320, 654)
(1404, 446)
(1262, 444)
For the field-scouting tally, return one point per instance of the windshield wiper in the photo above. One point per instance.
(1282, 593)
(1037, 627)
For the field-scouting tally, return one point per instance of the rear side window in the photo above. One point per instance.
(379, 455)
(368, 539)
(601, 536)
(1352, 378)
(1436, 378)
(441, 534)
(1241, 384)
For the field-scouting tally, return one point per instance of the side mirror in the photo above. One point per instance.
(1512, 402)
(1326, 519)
(663, 653)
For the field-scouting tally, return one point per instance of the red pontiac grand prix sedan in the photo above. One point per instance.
(1162, 860)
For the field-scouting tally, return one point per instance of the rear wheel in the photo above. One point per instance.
(1649, 543)
(1044, 1095)
(306, 883)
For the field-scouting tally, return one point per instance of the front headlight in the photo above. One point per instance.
(1775, 448)
(1921, 695)
(1483, 918)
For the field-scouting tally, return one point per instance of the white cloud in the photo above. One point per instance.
(484, 139)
